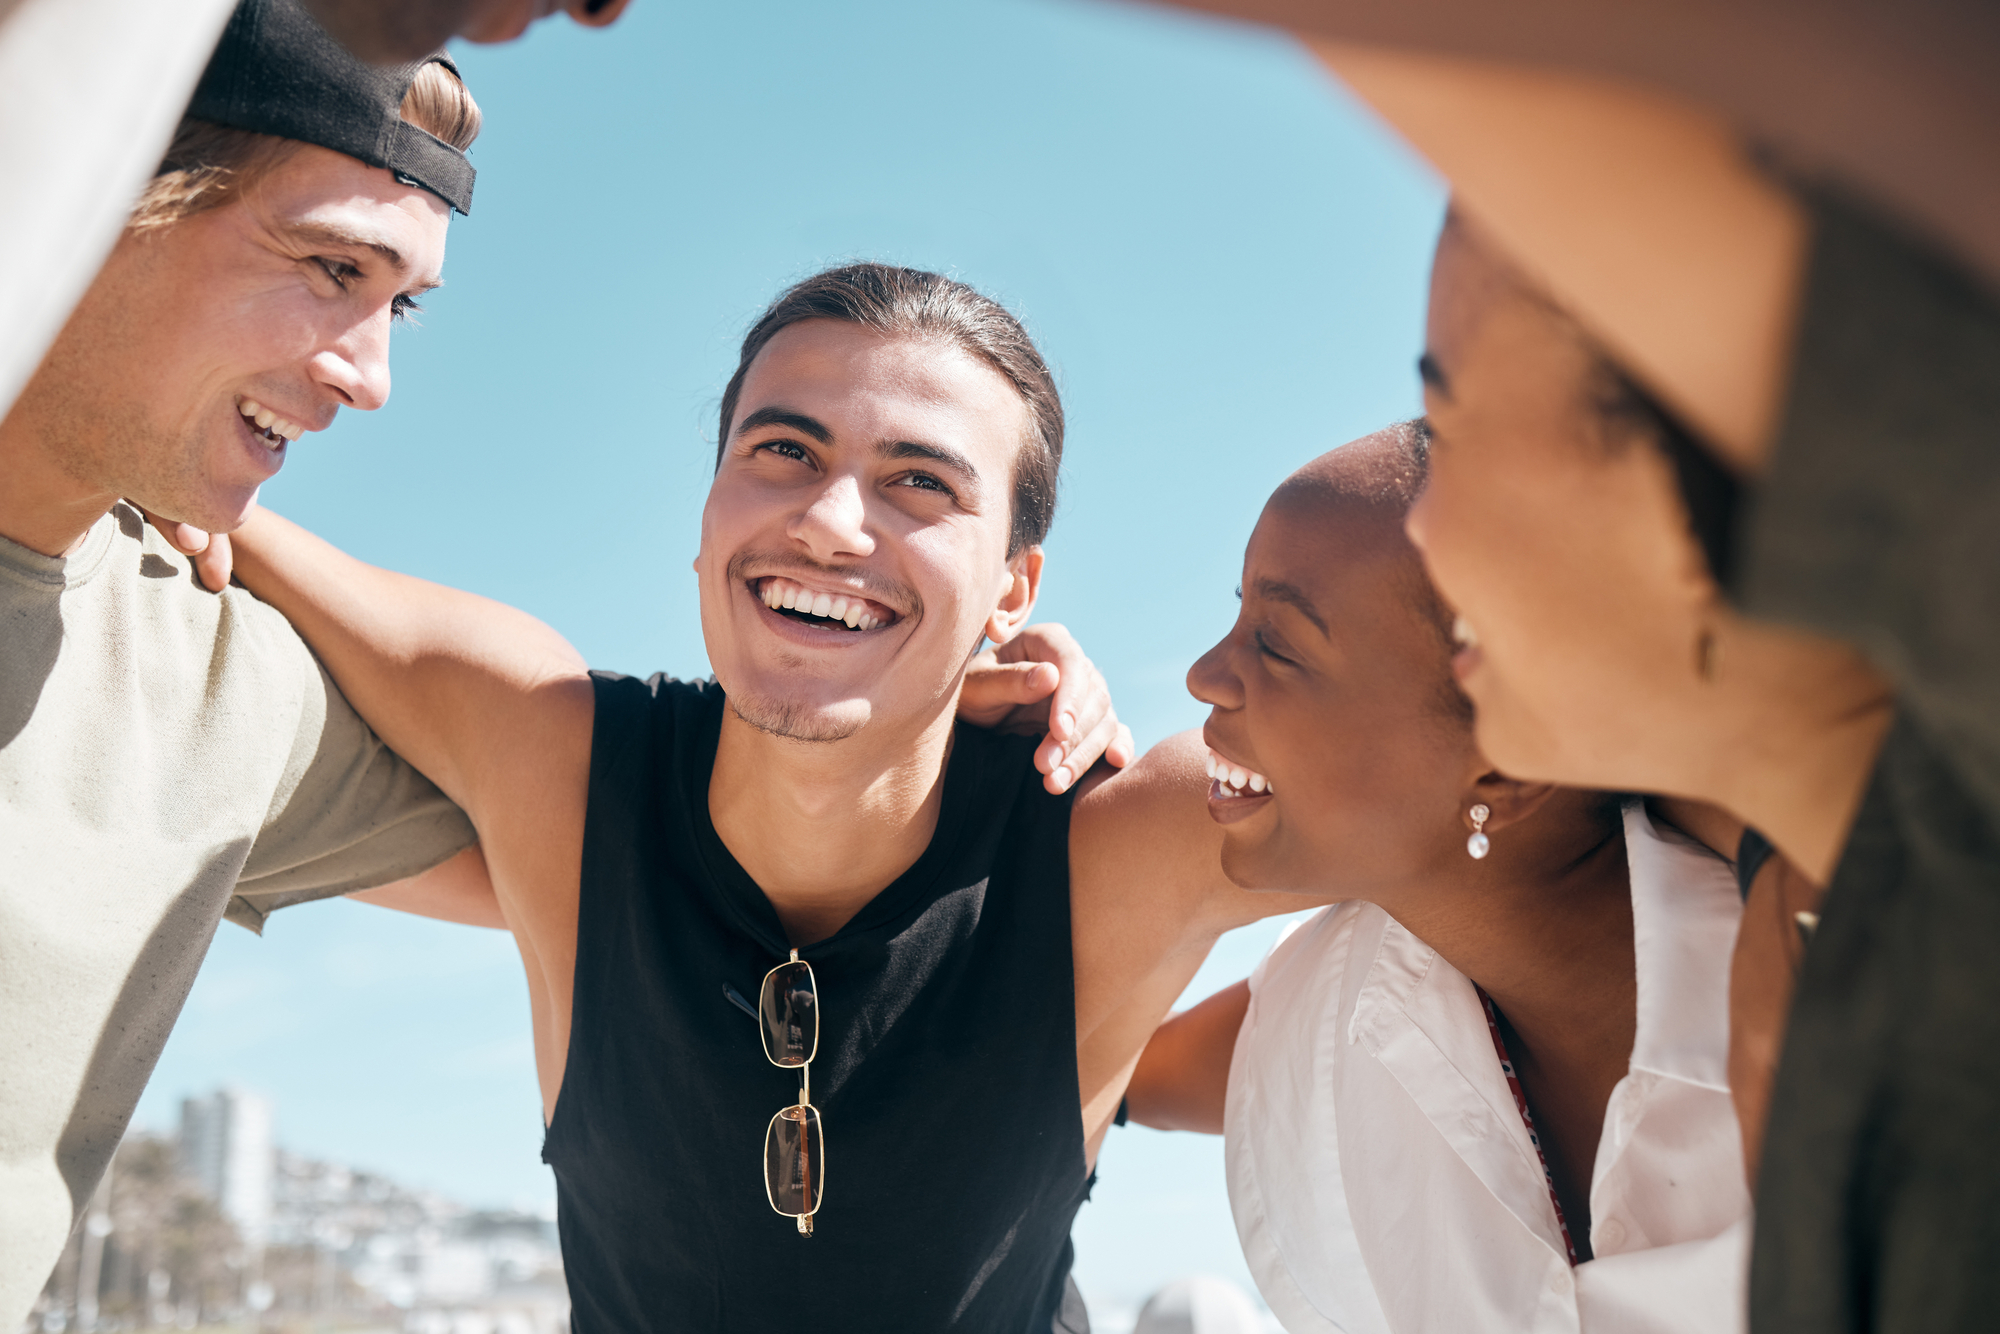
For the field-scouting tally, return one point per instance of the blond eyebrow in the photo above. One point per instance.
(327, 233)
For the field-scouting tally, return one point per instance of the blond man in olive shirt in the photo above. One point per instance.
(168, 755)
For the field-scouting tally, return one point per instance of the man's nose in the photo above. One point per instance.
(1212, 680)
(835, 524)
(356, 368)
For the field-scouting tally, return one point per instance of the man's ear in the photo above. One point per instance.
(1509, 799)
(1017, 600)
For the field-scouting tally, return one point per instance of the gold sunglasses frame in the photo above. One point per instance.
(810, 1127)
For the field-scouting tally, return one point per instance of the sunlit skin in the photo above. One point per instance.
(874, 467)
(504, 20)
(1604, 653)
(858, 465)
(389, 32)
(1643, 214)
(1898, 101)
(1568, 553)
(1334, 684)
(1326, 646)
(285, 296)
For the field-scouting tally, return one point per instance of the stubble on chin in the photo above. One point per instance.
(792, 720)
(117, 448)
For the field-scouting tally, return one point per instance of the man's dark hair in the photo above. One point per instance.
(915, 304)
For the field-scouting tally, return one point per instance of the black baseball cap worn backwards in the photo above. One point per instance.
(276, 71)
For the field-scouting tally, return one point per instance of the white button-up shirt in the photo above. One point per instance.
(1379, 1170)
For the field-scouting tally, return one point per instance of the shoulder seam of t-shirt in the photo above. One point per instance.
(31, 567)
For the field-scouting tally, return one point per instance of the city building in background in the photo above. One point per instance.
(217, 1227)
(226, 1150)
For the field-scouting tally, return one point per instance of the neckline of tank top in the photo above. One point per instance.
(745, 898)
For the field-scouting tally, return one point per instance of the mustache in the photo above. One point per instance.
(892, 593)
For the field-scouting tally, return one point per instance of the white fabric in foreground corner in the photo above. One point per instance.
(1382, 1179)
(90, 92)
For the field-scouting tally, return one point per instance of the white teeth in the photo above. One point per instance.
(268, 421)
(1233, 780)
(783, 594)
(1463, 633)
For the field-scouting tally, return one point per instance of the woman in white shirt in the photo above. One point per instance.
(1486, 1089)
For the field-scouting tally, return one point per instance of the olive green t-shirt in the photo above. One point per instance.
(168, 756)
(1878, 1201)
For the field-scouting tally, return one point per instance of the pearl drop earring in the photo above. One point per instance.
(1479, 845)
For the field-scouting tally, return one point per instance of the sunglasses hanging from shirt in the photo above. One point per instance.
(794, 1144)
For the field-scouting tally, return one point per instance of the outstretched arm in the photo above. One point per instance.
(459, 685)
(456, 890)
(1182, 1079)
(1040, 683)
(488, 702)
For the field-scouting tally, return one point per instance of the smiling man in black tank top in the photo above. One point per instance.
(989, 958)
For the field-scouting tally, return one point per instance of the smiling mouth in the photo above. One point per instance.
(1231, 780)
(811, 606)
(274, 430)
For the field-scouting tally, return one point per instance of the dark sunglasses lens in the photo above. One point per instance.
(789, 1014)
(795, 1161)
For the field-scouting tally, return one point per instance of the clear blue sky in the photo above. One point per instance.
(1222, 255)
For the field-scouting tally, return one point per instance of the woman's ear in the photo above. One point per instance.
(1507, 800)
(1017, 600)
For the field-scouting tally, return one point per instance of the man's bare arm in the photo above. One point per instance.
(1182, 1080)
(488, 702)
(459, 685)
(457, 889)
(1039, 683)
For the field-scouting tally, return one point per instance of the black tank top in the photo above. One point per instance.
(946, 1072)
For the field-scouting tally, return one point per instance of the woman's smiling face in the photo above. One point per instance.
(1559, 538)
(1334, 688)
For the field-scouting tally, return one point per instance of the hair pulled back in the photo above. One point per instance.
(207, 165)
(913, 303)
